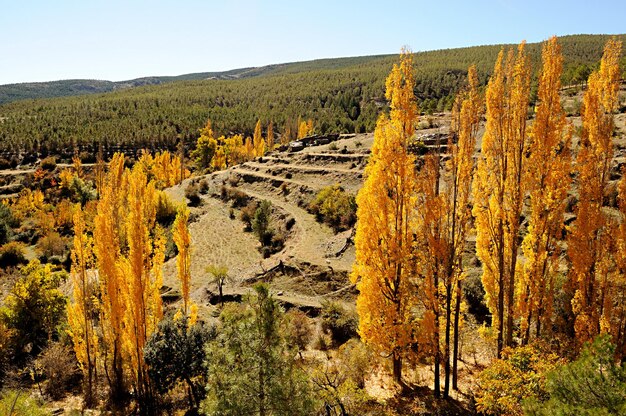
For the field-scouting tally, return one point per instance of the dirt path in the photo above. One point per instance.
(310, 240)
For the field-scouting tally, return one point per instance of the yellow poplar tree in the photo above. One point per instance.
(458, 186)
(498, 188)
(548, 178)
(589, 236)
(384, 239)
(141, 269)
(270, 136)
(109, 236)
(182, 239)
(80, 311)
(257, 140)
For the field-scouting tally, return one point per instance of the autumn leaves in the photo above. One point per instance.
(413, 223)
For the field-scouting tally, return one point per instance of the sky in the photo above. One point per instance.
(120, 40)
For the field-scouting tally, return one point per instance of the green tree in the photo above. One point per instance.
(176, 353)
(251, 368)
(206, 147)
(261, 223)
(594, 384)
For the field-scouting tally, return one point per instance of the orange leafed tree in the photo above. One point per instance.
(109, 236)
(258, 141)
(83, 307)
(458, 185)
(270, 136)
(384, 270)
(548, 178)
(499, 186)
(182, 239)
(589, 236)
(129, 248)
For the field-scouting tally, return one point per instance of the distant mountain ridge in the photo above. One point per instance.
(578, 47)
(72, 87)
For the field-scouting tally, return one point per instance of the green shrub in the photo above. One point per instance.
(339, 321)
(19, 403)
(335, 207)
(594, 384)
(176, 353)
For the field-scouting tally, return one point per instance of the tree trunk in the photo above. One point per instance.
(446, 351)
(397, 369)
(455, 353)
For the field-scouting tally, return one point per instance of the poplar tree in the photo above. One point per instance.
(498, 188)
(548, 180)
(257, 140)
(384, 238)
(589, 236)
(82, 309)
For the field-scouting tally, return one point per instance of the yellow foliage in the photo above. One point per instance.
(590, 235)
(548, 178)
(384, 239)
(499, 186)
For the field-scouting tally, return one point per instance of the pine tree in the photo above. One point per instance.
(384, 237)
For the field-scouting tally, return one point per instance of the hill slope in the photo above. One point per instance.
(340, 95)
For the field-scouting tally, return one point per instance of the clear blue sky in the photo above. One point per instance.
(118, 40)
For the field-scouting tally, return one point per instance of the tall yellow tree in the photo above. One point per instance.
(141, 269)
(589, 235)
(182, 239)
(384, 239)
(498, 189)
(83, 307)
(444, 221)
(258, 141)
(548, 178)
(129, 250)
(458, 186)
(270, 136)
(109, 236)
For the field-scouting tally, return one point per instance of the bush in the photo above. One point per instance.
(12, 254)
(340, 322)
(34, 307)
(165, 209)
(521, 373)
(49, 163)
(192, 193)
(299, 331)
(52, 244)
(594, 384)
(19, 403)
(203, 186)
(335, 207)
(59, 366)
(176, 353)
(247, 214)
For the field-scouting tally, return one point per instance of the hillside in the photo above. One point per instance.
(340, 95)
